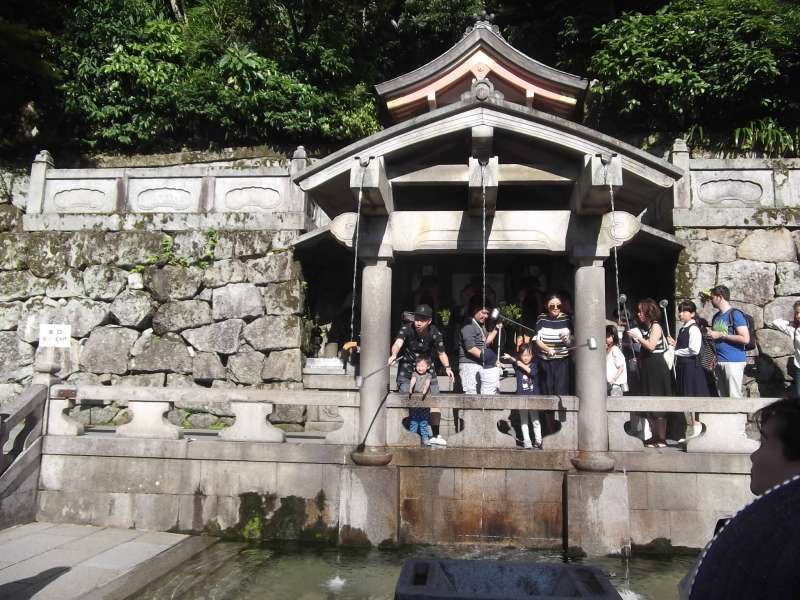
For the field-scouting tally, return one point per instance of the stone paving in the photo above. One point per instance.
(47, 560)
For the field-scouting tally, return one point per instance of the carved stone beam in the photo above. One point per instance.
(591, 194)
(482, 142)
(483, 178)
(595, 236)
(510, 173)
(368, 174)
(374, 239)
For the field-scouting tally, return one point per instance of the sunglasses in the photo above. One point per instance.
(553, 306)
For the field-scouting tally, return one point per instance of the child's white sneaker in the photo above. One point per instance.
(527, 444)
(438, 441)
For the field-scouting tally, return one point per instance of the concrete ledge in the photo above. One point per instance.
(674, 460)
(681, 404)
(150, 570)
(193, 449)
(667, 460)
(481, 458)
(736, 217)
(276, 221)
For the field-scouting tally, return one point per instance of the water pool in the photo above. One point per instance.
(229, 571)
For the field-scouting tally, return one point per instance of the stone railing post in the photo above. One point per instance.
(682, 191)
(39, 168)
(148, 421)
(251, 423)
(55, 420)
(62, 400)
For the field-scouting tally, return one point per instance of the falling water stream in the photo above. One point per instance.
(355, 248)
(483, 237)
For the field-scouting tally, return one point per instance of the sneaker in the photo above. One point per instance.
(438, 441)
(527, 445)
(426, 442)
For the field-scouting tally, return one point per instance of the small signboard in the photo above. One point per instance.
(53, 335)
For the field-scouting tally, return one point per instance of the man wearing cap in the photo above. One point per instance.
(420, 338)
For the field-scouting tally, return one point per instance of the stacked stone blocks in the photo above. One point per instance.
(233, 321)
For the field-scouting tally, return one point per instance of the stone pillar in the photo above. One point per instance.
(376, 305)
(41, 164)
(590, 366)
(680, 157)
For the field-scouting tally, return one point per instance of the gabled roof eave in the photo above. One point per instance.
(464, 46)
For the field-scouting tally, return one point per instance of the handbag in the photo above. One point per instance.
(708, 355)
(668, 353)
(669, 357)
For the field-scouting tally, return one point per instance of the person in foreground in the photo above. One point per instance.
(756, 554)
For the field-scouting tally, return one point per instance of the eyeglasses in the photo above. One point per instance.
(553, 306)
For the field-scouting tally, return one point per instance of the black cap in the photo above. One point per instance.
(424, 311)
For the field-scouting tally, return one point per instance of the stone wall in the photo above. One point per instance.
(742, 227)
(225, 313)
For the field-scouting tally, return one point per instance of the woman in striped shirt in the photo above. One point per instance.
(553, 338)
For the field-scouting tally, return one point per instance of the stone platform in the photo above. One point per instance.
(46, 560)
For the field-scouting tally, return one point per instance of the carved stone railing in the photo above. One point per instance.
(28, 415)
(170, 198)
(148, 407)
(484, 421)
(723, 420)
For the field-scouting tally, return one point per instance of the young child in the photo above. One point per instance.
(616, 371)
(525, 370)
(420, 416)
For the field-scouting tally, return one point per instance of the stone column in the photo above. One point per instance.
(376, 305)
(41, 164)
(590, 366)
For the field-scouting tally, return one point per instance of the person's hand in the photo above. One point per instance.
(507, 356)
(715, 335)
(633, 335)
(392, 358)
(670, 340)
(450, 373)
(551, 352)
(499, 326)
(564, 338)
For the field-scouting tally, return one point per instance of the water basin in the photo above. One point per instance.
(229, 571)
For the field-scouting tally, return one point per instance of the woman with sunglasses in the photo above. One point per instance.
(656, 379)
(553, 338)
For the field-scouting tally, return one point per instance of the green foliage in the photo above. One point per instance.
(139, 76)
(168, 256)
(724, 71)
(511, 311)
(152, 83)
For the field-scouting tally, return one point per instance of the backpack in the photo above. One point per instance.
(751, 328)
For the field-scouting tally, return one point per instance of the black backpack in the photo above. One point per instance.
(751, 328)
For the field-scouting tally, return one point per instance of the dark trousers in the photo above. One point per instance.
(554, 380)
(554, 377)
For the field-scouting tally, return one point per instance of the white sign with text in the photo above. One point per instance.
(53, 335)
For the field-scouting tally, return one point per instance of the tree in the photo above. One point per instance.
(722, 71)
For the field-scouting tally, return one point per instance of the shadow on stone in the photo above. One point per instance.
(22, 589)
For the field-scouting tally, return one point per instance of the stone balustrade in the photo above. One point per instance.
(22, 425)
(169, 198)
(484, 421)
(723, 419)
(149, 405)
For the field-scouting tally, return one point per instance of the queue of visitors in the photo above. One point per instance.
(709, 360)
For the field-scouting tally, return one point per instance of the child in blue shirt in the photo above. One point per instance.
(420, 416)
(525, 370)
